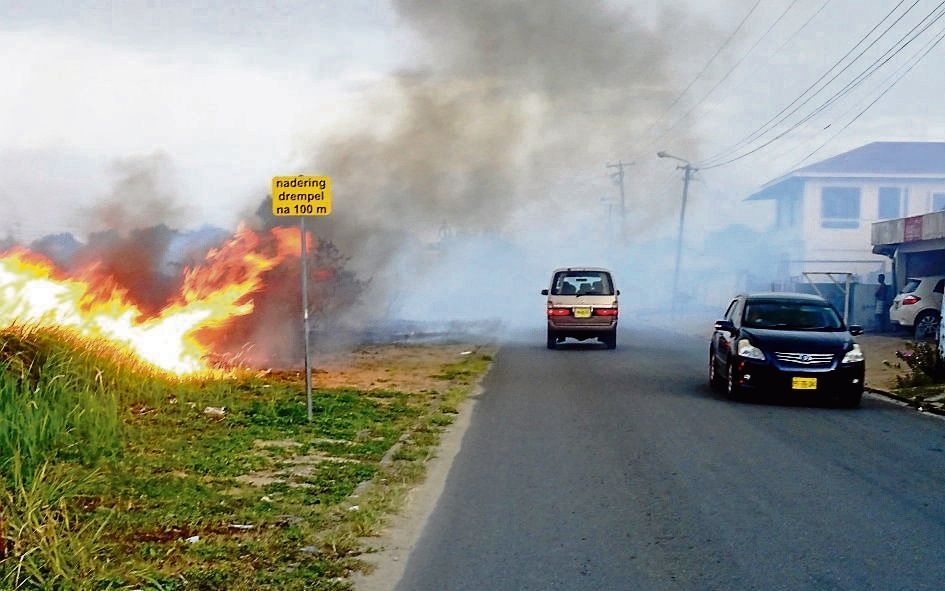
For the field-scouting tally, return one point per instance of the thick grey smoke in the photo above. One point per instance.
(499, 137)
(513, 103)
(142, 195)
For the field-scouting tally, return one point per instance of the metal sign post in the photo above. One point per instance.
(303, 257)
(303, 196)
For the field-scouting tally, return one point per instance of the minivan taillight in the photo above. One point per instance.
(559, 311)
(605, 311)
(910, 299)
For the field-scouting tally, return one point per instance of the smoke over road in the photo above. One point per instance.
(459, 183)
(465, 179)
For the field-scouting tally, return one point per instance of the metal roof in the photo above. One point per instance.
(581, 269)
(884, 158)
(902, 160)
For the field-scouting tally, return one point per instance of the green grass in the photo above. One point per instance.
(107, 468)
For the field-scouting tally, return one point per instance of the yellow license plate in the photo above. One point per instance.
(582, 312)
(804, 383)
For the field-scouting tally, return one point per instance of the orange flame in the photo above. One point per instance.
(33, 291)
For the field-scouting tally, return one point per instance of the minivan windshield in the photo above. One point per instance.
(784, 315)
(580, 283)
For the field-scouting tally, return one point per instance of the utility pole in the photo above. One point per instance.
(688, 170)
(618, 178)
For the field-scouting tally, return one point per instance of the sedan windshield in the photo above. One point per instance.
(791, 316)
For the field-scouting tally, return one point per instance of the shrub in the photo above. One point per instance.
(925, 365)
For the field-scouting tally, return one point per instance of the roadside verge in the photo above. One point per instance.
(883, 367)
(114, 477)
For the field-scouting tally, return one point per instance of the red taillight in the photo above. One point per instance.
(559, 311)
(605, 311)
(910, 299)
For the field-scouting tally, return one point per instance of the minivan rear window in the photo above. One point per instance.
(582, 283)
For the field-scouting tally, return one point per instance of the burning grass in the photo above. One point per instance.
(114, 476)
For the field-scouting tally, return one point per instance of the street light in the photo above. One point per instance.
(687, 169)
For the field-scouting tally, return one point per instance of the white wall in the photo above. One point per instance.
(848, 249)
(920, 196)
(841, 244)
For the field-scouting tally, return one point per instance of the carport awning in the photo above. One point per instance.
(919, 228)
(887, 250)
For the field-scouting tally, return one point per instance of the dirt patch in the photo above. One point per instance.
(276, 444)
(260, 478)
(407, 368)
(882, 365)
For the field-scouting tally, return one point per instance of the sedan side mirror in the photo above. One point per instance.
(618, 292)
(856, 330)
(544, 292)
(725, 325)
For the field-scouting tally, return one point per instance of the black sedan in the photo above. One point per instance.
(780, 342)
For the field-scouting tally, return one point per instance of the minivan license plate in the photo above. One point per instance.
(804, 383)
(582, 312)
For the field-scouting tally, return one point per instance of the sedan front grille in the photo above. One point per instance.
(805, 358)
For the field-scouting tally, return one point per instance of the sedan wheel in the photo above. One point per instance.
(714, 382)
(733, 390)
(851, 399)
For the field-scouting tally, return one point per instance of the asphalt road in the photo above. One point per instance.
(588, 469)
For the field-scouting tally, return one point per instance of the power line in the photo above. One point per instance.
(845, 90)
(721, 80)
(784, 44)
(779, 119)
(856, 81)
(699, 75)
(767, 125)
(714, 56)
(922, 53)
(766, 61)
(798, 30)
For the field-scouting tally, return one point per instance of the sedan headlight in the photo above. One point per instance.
(854, 355)
(747, 350)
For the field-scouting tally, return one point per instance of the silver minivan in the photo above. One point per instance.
(582, 304)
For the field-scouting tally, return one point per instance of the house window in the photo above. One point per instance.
(840, 207)
(890, 203)
(938, 201)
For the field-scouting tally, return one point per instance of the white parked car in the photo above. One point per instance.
(918, 307)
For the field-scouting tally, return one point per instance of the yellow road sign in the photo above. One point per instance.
(301, 195)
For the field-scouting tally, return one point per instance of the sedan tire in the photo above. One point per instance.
(732, 389)
(715, 382)
(851, 399)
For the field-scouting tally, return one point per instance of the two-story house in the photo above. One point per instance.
(824, 211)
